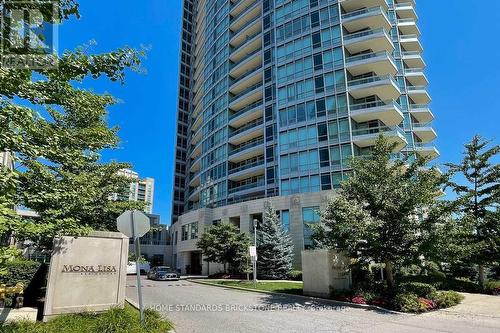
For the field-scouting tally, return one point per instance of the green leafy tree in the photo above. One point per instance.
(224, 244)
(274, 247)
(376, 215)
(477, 204)
(56, 130)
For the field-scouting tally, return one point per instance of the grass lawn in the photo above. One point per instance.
(112, 321)
(278, 286)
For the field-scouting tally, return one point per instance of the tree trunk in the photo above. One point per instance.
(389, 273)
(225, 270)
(481, 276)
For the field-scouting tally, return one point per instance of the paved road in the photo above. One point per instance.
(205, 309)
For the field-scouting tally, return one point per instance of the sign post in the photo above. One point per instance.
(135, 224)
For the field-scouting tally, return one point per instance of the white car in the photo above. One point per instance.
(143, 267)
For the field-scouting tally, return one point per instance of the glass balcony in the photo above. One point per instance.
(381, 63)
(258, 185)
(247, 79)
(419, 94)
(248, 132)
(367, 137)
(246, 97)
(372, 18)
(375, 40)
(385, 87)
(247, 114)
(245, 171)
(427, 151)
(242, 17)
(389, 112)
(416, 76)
(424, 132)
(247, 150)
(406, 10)
(250, 28)
(413, 59)
(421, 113)
(352, 5)
(249, 45)
(410, 43)
(250, 60)
(408, 27)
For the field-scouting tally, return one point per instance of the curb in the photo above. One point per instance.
(136, 306)
(338, 303)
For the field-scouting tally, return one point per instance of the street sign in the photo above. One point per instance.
(140, 221)
(253, 251)
(135, 224)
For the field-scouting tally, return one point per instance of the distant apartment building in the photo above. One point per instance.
(6, 160)
(139, 190)
(275, 97)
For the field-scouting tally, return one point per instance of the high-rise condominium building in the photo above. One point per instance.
(139, 189)
(276, 95)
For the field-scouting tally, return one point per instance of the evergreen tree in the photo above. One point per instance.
(478, 203)
(375, 216)
(274, 247)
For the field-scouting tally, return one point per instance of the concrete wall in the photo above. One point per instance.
(324, 271)
(243, 211)
(87, 273)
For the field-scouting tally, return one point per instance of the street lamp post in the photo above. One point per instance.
(255, 222)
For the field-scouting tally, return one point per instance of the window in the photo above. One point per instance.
(326, 182)
(285, 220)
(324, 157)
(310, 215)
(316, 40)
(322, 133)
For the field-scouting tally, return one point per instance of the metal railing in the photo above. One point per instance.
(364, 33)
(248, 126)
(374, 104)
(236, 49)
(246, 166)
(363, 11)
(377, 130)
(246, 146)
(246, 91)
(242, 60)
(247, 186)
(371, 79)
(368, 56)
(245, 75)
(245, 109)
(249, 8)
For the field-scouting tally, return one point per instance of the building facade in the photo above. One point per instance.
(276, 95)
(155, 245)
(139, 190)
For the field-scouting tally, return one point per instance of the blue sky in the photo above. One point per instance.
(461, 50)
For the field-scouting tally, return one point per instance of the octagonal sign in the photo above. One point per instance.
(133, 223)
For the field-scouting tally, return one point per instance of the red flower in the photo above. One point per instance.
(358, 300)
(429, 304)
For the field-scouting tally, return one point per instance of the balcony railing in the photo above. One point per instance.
(251, 124)
(416, 88)
(367, 56)
(249, 55)
(246, 91)
(376, 130)
(236, 49)
(247, 146)
(375, 104)
(246, 25)
(363, 11)
(245, 109)
(371, 79)
(246, 166)
(245, 75)
(364, 33)
(246, 10)
(247, 186)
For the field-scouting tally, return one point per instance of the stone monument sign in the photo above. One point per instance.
(87, 273)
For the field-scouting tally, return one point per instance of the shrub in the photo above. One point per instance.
(446, 299)
(418, 288)
(112, 321)
(409, 302)
(445, 283)
(295, 275)
(19, 271)
(492, 287)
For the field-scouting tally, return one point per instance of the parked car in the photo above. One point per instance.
(163, 273)
(144, 268)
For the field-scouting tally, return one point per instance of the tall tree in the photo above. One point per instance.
(225, 244)
(56, 130)
(478, 202)
(376, 216)
(274, 247)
